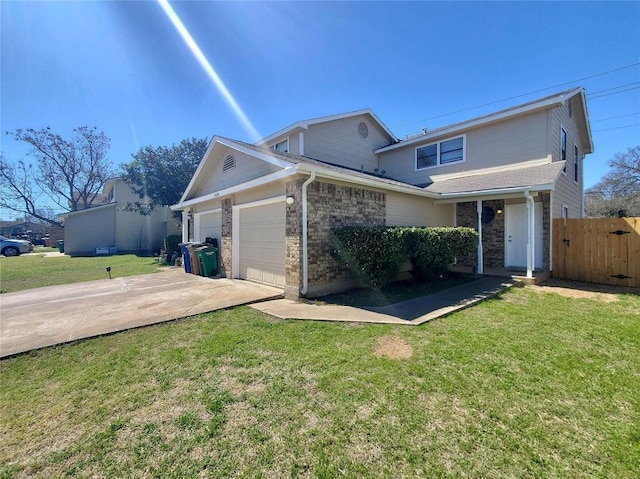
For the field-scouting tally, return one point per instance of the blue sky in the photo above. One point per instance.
(123, 67)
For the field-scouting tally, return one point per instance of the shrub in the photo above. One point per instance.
(376, 254)
(171, 243)
(433, 250)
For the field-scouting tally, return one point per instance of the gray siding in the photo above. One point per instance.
(406, 210)
(339, 142)
(501, 144)
(567, 191)
(86, 230)
(247, 168)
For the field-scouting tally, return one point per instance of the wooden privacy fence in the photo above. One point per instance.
(597, 250)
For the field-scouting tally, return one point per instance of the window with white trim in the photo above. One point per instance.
(281, 146)
(441, 153)
(563, 149)
(576, 157)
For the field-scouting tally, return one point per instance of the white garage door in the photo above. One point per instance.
(209, 225)
(262, 243)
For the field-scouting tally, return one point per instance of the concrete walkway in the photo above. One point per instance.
(415, 311)
(42, 317)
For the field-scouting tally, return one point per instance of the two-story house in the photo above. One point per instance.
(508, 174)
(107, 225)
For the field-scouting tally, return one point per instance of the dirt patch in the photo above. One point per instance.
(579, 290)
(393, 347)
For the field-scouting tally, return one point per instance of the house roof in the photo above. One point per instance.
(304, 124)
(524, 108)
(541, 176)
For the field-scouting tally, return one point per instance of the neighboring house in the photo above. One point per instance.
(106, 225)
(507, 174)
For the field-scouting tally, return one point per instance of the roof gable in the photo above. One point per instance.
(304, 125)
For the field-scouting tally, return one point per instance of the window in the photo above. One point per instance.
(576, 158)
(282, 146)
(445, 152)
(563, 149)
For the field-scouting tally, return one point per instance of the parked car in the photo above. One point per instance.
(14, 247)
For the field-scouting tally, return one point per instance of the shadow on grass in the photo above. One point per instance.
(395, 292)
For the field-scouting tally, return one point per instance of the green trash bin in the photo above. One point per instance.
(61, 246)
(208, 259)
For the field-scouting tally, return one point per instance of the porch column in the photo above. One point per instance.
(480, 269)
(531, 218)
(185, 225)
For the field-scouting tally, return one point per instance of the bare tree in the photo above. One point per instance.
(68, 173)
(618, 192)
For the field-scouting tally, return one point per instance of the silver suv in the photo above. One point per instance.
(14, 247)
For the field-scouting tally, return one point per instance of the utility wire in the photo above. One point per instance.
(519, 96)
(613, 88)
(613, 93)
(618, 127)
(614, 117)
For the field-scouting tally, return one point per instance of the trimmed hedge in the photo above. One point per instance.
(376, 254)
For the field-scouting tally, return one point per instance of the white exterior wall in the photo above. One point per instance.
(500, 144)
(407, 210)
(339, 142)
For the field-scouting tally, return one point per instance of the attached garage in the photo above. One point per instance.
(259, 241)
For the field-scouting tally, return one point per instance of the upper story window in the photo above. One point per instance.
(563, 148)
(441, 153)
(576, 164)
(282, 146)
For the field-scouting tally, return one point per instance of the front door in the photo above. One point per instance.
(516, 235)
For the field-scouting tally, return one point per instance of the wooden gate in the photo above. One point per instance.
(597, 250)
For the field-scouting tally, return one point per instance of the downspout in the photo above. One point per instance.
(305, 245)
(480, 267)
(530, 233)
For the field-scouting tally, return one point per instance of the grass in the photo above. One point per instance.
(36, 270)
(529, 384)
(395, 292)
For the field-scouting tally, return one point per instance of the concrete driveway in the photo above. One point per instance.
(58, 314)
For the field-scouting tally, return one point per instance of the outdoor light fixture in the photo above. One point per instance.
(499, 211)
(290, 200)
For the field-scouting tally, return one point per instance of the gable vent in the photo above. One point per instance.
(363, 129)
(229, 163)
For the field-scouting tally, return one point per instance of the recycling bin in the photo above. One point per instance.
(195, 262)
(186, 258)
(208, 259)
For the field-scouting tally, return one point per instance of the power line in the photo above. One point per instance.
(519, 96)
(613, 88)
(613, 93)
(618, 127)
(614, 117)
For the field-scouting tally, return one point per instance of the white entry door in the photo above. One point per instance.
(208, 224)
(516, 236)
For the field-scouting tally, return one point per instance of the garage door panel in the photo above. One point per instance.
(262, 244)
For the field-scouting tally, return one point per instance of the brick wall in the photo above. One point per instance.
(492, 233)
(225, 246)
(335, 205)
(293, 248)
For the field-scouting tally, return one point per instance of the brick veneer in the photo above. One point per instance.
(333, 205)
(493, 233)
(293, 247)
(225, 246)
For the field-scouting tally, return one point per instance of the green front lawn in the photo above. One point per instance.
(529, 384)
(36, 270)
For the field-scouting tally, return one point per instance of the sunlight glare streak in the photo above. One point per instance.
(202, 59)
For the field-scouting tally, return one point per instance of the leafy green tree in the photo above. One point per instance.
(159, 175)
(67, 172)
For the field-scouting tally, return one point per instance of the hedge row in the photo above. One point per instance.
(376, 253)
